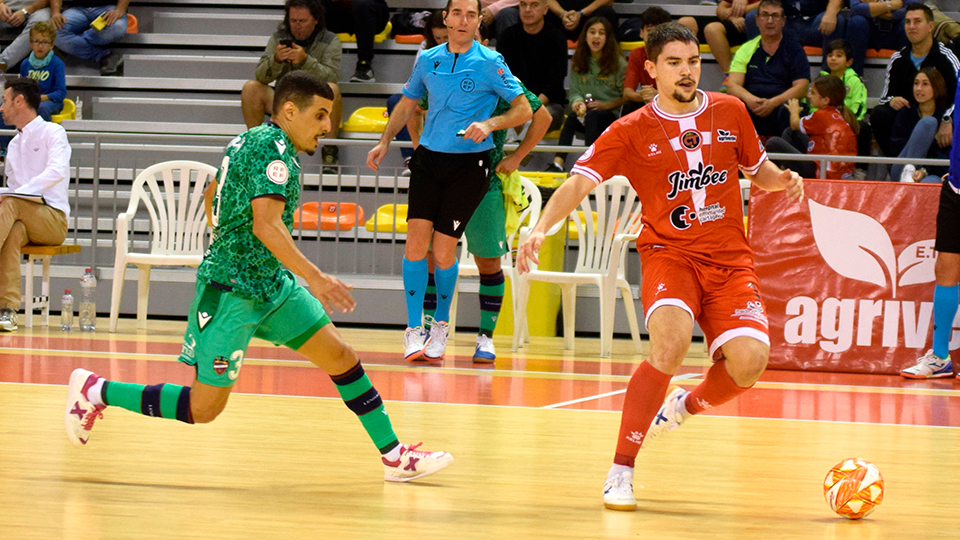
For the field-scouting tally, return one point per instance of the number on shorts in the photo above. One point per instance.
(237, 357)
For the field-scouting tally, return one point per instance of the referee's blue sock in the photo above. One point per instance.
(944, 310)
(446, 285)
(414, 285)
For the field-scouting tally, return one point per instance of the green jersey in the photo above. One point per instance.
(261, 162)
(499, 136)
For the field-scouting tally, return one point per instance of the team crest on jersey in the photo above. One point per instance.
(220, 365)
(467, 85)
(725, 136)
(691, 139)
(277, 172)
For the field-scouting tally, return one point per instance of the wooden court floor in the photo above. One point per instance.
(532, 437)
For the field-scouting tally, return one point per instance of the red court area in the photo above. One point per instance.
(521, 381)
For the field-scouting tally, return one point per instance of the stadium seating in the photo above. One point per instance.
(69, 112)
(389, 218)
(43, 254)
(367, 120)
(327, 216)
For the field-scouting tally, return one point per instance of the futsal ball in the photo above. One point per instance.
(853, 488)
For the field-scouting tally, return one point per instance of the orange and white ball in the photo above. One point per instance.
(853, 488)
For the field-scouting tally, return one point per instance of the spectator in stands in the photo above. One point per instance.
(300, 42)
(839, 59)
(639, 88)
(498, 15)
(88, 26)
(915, 128)
(814, 23)
(44, 67)
(537, 55)
(19, 16)
(768, 70)
(363, 18)
(729, 31)
(596, 86)
(874, 24)
(922, 52)
(571, 14)
(831, 129)
(38, 163)
(435, 33)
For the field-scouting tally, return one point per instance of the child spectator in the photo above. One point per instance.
(639, 88)
(47, 69)
(832, 130)
(915, 128)
(597, 73)
(839, 59)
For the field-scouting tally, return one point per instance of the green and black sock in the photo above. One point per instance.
(159, 400)
(491, 298)
(362, 398)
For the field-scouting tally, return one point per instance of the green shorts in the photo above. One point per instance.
(486, 231)
(221, 324)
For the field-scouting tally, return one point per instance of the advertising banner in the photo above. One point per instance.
(848, 274)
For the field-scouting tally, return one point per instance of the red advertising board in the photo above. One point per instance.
(847, 275)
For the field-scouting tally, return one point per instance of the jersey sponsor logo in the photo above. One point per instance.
(694, 179)
(277, 172)
(683, 217)
(467, 85)
(691, 139)
(500, 71)
(281, 147)
(725, 136)
(654, 150)
(753, 312)
(220, 365)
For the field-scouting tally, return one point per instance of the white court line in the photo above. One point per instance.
(683, 377)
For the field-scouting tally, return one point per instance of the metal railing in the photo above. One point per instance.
(104, 165)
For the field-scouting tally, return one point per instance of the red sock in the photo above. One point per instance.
(645, 393)
(717, 388)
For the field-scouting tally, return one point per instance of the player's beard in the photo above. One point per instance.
(681, 98)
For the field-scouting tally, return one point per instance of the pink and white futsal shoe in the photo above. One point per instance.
(80, 413)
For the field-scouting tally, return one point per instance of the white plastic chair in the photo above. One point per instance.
(468, 264)
(600, 261)
(172, 193)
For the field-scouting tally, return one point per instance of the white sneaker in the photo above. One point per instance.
(618, 493)
(929, 366)
(414, 339)
(414, 464)
(670, 415)
(907, 174)
(80, 413)
(485, 353)
(436, 346)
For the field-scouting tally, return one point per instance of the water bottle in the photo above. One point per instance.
(66, 311)
(88, 302)
(587, 100)
(79, 108)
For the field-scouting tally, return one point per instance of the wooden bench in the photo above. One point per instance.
(31, 302)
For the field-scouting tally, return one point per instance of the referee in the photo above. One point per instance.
(449, 171)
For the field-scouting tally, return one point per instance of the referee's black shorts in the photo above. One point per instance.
(948, 220)
(446, 188)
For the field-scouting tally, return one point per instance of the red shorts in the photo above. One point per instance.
(725, 301)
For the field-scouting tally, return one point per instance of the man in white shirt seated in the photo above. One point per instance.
(38, 164)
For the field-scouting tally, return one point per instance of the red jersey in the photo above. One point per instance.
(831, 134)
(636, 72)
(685, 170)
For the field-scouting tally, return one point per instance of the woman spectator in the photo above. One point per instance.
(47, 69)
(832, 130)
(597, 73)
(915, 128)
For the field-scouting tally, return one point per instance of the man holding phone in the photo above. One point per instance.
(300, 42)
(87, 26)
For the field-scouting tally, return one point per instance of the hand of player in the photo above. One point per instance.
(376, 155)
(828, 23)
(509, 164)
(945, 134)
(477, 132)
(793, 185)
(332, 292)
(528, 251)
(58, 21)
(898, 103)
(739, 8)
(112, 16)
